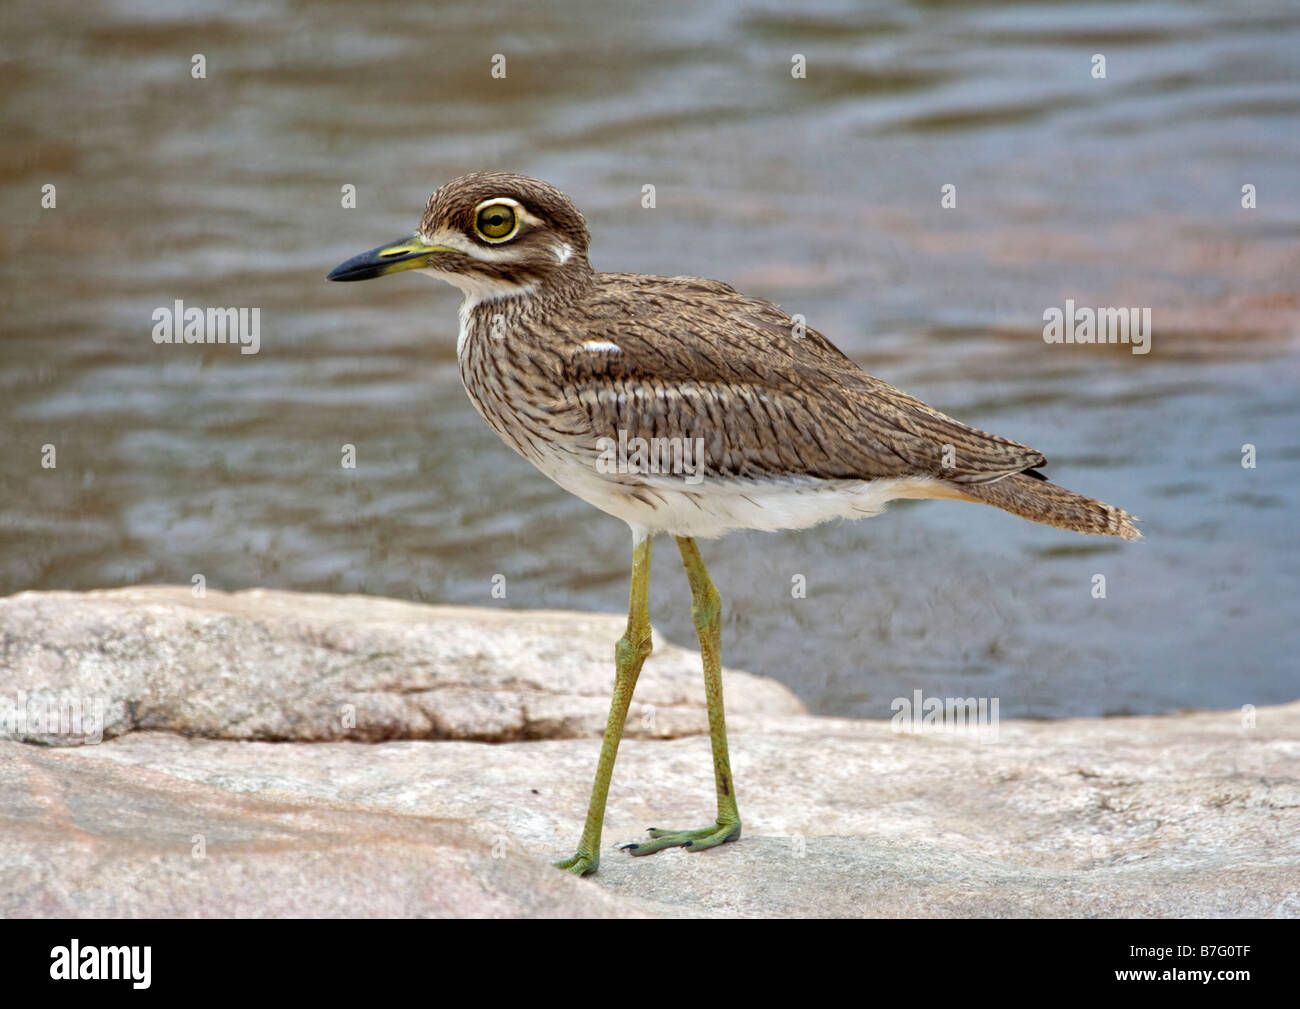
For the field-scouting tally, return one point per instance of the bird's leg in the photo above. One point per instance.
(629, 655)
(706, 609)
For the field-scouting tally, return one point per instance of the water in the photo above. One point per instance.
(821, 194)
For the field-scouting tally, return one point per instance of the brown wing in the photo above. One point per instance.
(695, 359)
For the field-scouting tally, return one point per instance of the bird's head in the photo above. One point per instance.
(492, 234)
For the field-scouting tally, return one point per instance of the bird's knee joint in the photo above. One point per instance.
(632, 651)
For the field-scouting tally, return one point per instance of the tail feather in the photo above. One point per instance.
(1033, 497)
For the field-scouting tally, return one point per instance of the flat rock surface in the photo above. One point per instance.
(89, 838)
(1174, 816)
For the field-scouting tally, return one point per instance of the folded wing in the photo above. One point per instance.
(689, 358)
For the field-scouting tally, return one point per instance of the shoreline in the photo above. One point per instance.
(467, 769)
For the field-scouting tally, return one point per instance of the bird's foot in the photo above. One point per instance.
(692, 840)
(580, 864)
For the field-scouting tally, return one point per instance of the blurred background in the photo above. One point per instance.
(822, 194)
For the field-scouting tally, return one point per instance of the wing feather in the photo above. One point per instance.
(695, 359)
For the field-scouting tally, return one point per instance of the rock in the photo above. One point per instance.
(1189, 815)
(289, 666)
(103, 839)
(1183, 815)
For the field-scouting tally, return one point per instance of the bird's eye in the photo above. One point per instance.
(496, 222)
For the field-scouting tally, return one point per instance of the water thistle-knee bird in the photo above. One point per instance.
(684, 407)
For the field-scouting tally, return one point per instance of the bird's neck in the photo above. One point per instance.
(537, 294)
(489, 316)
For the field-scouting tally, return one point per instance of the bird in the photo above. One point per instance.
(685, 408)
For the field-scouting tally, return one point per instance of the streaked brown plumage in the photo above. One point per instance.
(697, 359)
(750, 421)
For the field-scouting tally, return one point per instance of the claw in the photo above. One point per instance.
(717, 833)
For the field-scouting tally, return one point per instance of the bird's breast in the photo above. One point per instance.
(508, 381)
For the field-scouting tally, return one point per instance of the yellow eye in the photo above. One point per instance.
(496, 222)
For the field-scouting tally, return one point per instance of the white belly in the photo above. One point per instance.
(715, 505)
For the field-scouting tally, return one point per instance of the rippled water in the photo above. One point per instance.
(821, 194)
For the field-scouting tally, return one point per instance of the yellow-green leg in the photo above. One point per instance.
(706, 609)
(629, 655)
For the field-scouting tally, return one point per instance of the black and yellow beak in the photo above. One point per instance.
(410, 253)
